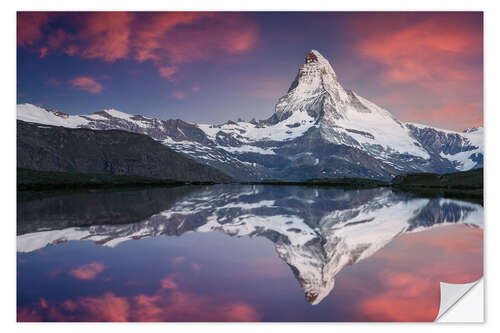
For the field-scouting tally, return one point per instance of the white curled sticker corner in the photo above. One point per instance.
(450, 294)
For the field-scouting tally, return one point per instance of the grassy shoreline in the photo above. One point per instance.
(459, 185)
(34, 180)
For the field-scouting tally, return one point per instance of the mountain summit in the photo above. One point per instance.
(344, 117)
(318, 129)
(315, 91)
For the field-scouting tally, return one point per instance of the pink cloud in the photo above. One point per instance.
(149, 35)
(29, 315)
(210, 36)
(450, 114)
(392, 306)
(428, 64)
(407, 287)
(87, 272)
(106, 35)
(196, 87)
(167, 72)
(160, 37)
(178, 94)
(426, 51)
(165, 304)
(43, 303)
(87, 83)
(43, 52)
(107, 307)
(215, 35)
(71, 50)
(168, 282)
(58, 38)
(30, 27)
(239, 311)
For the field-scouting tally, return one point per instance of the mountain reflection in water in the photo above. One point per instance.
(316, 231)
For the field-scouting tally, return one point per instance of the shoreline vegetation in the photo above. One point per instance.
(34, 180)
(460, 185)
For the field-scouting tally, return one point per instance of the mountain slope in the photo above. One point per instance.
(50, 148)
(465, 149)
(318, 130)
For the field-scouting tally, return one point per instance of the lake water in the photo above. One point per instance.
(242, 253)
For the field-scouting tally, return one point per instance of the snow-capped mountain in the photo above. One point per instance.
(318, 129)
(465, 149)
(316, 231)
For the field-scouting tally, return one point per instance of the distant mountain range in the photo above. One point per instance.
(318, 130)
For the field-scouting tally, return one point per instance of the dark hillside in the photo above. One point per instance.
(112, 152)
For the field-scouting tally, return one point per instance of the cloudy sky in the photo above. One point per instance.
(212, 67)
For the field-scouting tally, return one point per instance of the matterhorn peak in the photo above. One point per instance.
(315, 58)
(312, 56)
(315, 91)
